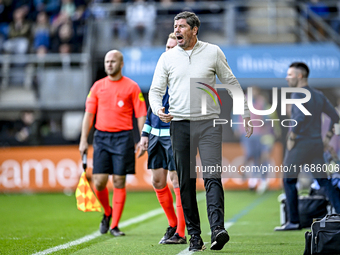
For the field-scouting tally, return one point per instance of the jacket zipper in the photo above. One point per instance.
(191, 53)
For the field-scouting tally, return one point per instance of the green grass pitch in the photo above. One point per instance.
(34, 223)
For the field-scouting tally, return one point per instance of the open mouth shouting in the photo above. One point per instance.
(180, 38)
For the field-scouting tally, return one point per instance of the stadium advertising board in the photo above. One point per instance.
(58, 169)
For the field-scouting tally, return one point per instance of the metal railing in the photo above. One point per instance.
(262, 17)
(315, 28)
(25, 81)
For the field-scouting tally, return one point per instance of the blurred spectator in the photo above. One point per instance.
(335, 141)
(25, 4)
(69, 10)
(64, 39)
(41, 34)
(119, 25)
(32, 128)
(166, 23)
(116, 13)
(27, 128)
(51, 7)
(166, 5)
(5, 18)
(19, 34)
(140, 17)
(189, 5)
(98, 12)
(67, 27)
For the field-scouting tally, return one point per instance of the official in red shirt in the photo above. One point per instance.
(112, 100)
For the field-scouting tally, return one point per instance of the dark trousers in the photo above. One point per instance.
(306, 152)
(186, 137)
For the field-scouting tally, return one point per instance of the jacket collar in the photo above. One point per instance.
(197, 45)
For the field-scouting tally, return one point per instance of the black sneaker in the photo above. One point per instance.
(196, 243)
(176, 239)
(105, 224)
(219, 237)
(170, 231)
(116, 232)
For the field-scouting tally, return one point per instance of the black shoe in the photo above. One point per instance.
(105, 224)
(288, 226)
(116, 232)
(196, 243)
(176, 239)
(170, 231)
(219, 237)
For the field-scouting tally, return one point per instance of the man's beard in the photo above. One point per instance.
(113, 72)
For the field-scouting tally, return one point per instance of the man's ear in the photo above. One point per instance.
(195, 30)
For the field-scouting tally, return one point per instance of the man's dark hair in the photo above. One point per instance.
(191, 18)
(302, 67)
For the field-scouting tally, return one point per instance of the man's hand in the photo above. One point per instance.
(85, 130)
(163, 116)
(144, 142)
(333, 153)
(83, 146)
(143, 145)
(327, 139)
(291, 141)
(247, 128)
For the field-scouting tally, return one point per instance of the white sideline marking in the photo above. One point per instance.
(96, 234)
(67, 245)
(186, 251)
(228, 224)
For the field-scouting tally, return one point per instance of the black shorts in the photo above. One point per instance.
(113, 153)
(160, 153)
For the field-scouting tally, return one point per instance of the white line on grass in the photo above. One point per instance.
(228, 224)
(96, 234)
(67, 245)
(186, 251)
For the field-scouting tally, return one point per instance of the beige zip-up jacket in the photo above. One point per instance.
(176, 68)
